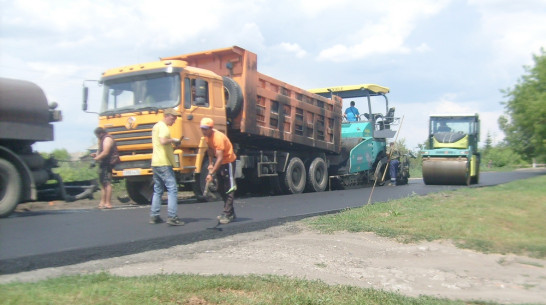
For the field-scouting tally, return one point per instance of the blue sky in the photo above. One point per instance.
(444, 56)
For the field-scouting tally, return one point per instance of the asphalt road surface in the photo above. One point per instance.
(41, 239)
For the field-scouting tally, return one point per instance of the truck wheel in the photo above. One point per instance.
(294, 177)
(198, 186)
(233, 96)
(140, 191)
(317, 175)
(378, 175)
(10, 188)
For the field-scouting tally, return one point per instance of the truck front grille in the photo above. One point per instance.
(141, 135)
(144, 164)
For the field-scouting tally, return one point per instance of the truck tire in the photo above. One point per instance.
(10, 188)
(233, 96)
(294, 178)
(198, 186)
(378, 175)
(140, 191)
(317, 175)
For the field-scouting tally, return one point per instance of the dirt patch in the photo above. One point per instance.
(357, 259)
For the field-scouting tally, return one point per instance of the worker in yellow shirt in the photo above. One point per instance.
(162, 167)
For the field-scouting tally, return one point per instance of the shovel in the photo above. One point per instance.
(205, 193)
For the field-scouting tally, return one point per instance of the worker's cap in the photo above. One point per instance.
(207, 123)
(171, 111)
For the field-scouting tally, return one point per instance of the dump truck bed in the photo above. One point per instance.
(274, 114)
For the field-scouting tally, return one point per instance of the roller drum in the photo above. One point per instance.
(446, 171)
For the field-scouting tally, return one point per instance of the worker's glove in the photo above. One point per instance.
(209, 177)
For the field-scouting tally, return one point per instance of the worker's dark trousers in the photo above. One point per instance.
(226, 180)
(393, 170)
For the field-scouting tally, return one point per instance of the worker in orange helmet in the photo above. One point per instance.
(220, 147)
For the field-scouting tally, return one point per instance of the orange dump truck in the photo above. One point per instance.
(282, 134)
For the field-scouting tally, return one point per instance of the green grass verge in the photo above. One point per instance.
(508, 218)
(194, 289)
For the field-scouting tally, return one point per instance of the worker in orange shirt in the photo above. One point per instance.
(220, 147)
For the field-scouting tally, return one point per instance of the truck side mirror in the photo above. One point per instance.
(85, 95)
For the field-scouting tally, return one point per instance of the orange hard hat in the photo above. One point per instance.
(207, 123)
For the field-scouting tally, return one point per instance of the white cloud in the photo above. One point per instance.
(250, 36)
(516, 29)
(312, 8)
(422, 48)
(385, 34)
(293, 48)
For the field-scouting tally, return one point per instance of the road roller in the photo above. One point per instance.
(452, 156)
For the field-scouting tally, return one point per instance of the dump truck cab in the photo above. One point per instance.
(133, 100)
(452, 157)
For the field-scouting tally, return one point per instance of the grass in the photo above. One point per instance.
(194, 289)
(508, 218)
(503, 219)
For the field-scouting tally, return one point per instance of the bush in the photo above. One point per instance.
(72, 170)
(501, 156)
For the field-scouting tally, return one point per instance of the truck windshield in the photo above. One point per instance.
(141, 92)
(453, 124)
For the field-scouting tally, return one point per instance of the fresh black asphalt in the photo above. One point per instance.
(42, 239)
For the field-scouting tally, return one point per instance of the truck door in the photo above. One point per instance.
(202, 98)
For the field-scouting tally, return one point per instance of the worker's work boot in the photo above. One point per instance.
(225, 219)
(155, 220)
(174, 221)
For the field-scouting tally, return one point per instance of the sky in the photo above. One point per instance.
(444, 56)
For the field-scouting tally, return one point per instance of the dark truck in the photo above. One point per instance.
(25, 118)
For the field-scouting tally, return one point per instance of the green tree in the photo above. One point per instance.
(488, 143)
(501, 156)
(71, 170)
(61, 154)
(524, 124)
